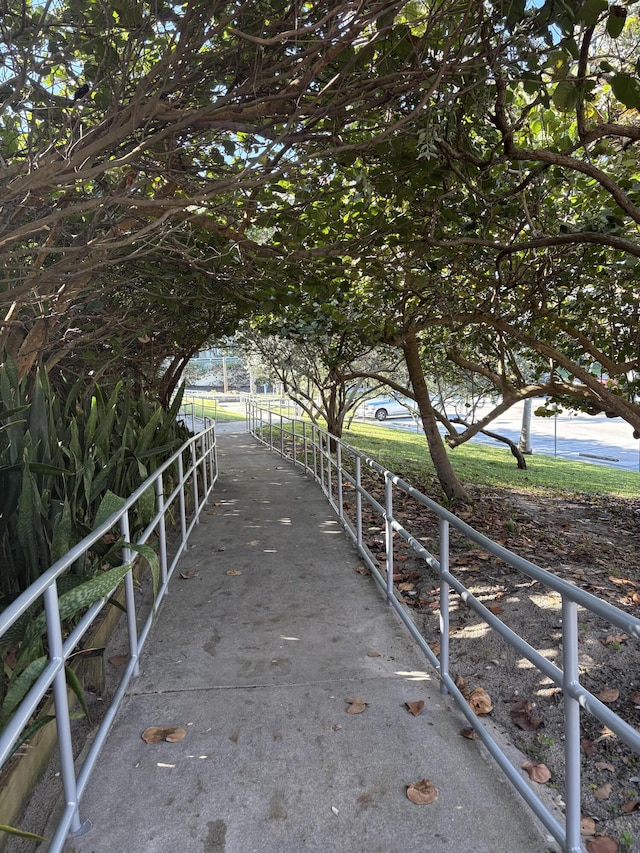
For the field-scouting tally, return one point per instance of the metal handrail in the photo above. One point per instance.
(323, 456)
(199, 474)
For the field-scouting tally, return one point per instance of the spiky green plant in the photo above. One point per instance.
(60, 453)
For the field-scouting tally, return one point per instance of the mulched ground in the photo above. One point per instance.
(590, 541)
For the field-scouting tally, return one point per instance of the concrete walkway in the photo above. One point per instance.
(255, 657)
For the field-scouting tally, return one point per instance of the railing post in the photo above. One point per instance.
(293, 437)
(281, 435)
(65, 743)
(571, 676)
(444, 602)
(181, 501)
(358, 473)
(196, 492)
(314, 445)
(339, 474)
(388, 516)
(203, 465)
(162, 530)
(129, 595)
(214, 453)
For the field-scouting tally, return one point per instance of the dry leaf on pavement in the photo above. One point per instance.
(234, 573)
(587, 826)
(186, 576)
(422, 793)
(415, 707)
(356, 705)
(469, 732)
(154, 734)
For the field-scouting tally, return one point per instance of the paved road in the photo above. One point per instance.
(598, 440)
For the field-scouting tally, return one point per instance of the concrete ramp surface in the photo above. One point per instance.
(254, 654)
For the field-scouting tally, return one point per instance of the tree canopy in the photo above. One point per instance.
(457, 178)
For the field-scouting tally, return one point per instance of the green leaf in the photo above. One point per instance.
(62, 533)
(151, 557)
(627, 90)
(565, 96)
(110, 503)
(591, 11)
(86, 594)
(11, 830)
(74, 683)
(616, 21)
(19, 687)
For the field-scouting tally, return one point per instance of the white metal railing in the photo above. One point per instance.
(194, 470)
(332, 463)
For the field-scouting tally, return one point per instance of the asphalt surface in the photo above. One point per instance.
(254, 654)
(596, 440)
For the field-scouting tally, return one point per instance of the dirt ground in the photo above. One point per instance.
(590, 541)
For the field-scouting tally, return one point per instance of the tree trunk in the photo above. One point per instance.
(447, 477)
(524, 444)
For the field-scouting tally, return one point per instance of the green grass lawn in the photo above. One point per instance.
(209, 409)
(485, 465)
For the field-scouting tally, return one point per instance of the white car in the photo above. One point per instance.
(382, 408)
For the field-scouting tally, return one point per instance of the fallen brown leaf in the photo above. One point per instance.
(422, 793)
(587, 826)
(356, 705)
(119, 660)
(362, 571)
(588, 746)
(480, 701)
(604, 765)
(608, 695)
(188, 575)
(614, 638)
(602, 844)
(154, 734)
(373, 654)
(495, 609)
(469, 732)
(630, 806)
(603, 792)
(233, 573)
(406, 587)
(522, 716)
(416, 708)
(537, 772)
(635, 697)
